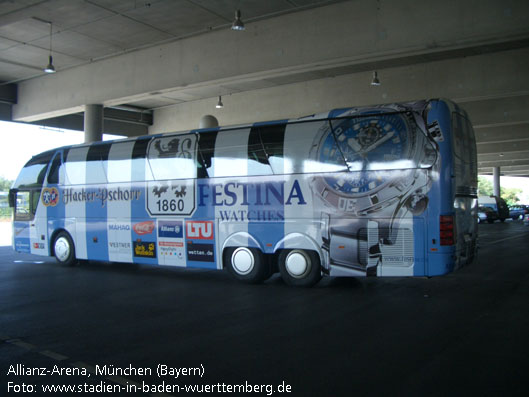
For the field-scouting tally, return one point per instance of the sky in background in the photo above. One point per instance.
(24, 140)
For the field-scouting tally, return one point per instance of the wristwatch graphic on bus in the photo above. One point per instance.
(390, 159)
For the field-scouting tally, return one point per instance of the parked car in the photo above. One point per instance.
(518, 211)
(497, 204)
(487, 214)
(526, 219)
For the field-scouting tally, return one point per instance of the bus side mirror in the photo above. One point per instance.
(12, 197)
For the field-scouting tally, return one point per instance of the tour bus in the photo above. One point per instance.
(387, 190)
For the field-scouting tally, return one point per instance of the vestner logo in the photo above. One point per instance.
(199, 230)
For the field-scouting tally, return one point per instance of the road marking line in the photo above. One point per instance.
(81, 365)
(507, 238)
(55, 356)
(24, 345)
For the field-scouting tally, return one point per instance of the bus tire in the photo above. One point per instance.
(247, 264)
(64, 249)
(299, 268)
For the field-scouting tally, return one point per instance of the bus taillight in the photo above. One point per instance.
(446, 229)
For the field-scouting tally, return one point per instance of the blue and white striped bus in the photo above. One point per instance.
(386, 190)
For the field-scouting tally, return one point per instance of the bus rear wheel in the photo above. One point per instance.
(64, 249)
(247, 264)
(300, 268)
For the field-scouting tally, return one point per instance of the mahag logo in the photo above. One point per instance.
(199, 230)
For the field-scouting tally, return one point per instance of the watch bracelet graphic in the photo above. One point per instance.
(381, 196)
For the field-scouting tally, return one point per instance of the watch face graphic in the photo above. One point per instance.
(369, 145)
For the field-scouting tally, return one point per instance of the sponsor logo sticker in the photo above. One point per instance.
(143, 227)
(170, 229)
(200, 252)
(118, 226)
(144, 249)
(50, 197)
(170, 244)
(199, 230)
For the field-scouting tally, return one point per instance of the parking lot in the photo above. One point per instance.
(460, 334)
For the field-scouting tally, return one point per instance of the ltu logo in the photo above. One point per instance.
(199, 230)
(50, 197)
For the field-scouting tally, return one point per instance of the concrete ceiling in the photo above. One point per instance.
(85, 31)
(481, 41)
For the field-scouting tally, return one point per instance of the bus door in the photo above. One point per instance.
(27, 227)
(27, 197)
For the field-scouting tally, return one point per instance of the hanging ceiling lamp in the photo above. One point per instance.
(219, 104)
(375, 80)
(238, 24)
(50, 68)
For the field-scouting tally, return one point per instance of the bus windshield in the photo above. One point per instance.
(33, 173)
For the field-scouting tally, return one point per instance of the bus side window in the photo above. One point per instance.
(238, 152)
(75, 165)
(206, 149)
(119, 164)
(173, 157)
(310, 147)
(35, 197)
(272, 138)
(53, 176)
(257, 156)
(97, 163)
(22, 206)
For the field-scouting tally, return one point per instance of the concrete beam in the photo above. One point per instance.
(515, 173)
(512, 168)
(138, 116)
(8, 94)
(455, 78)
(506, 156)
(503, 147)
(326, 38)
(507, 133)
(489, 171)
(5, 112)
(112, 125)
(498, 111)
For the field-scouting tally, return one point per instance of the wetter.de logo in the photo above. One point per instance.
(50, 197)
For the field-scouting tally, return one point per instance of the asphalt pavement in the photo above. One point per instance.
(139, 330)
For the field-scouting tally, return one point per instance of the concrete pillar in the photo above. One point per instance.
(93, 123)
(496, 181)
(208, 121)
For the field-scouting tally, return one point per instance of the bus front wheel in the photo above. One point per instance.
(300, 268)
(247, 264)
(64, 249)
